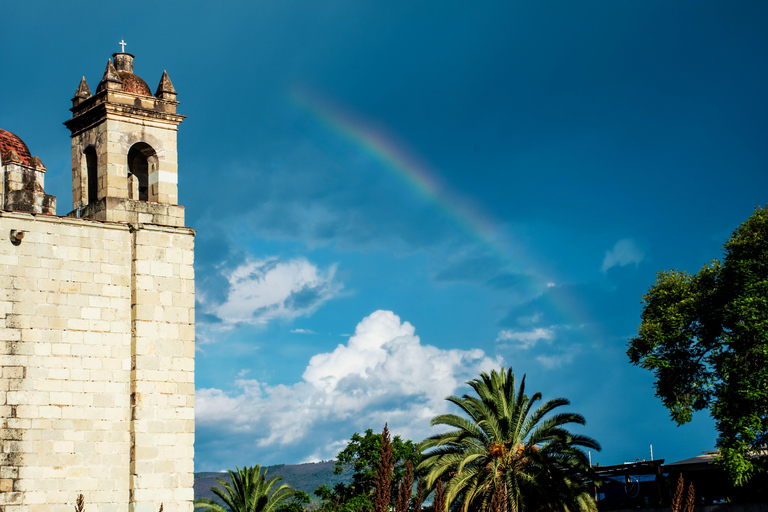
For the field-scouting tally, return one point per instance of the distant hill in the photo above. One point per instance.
(305, 477)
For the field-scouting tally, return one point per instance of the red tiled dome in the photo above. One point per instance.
(134, 84)
(10, 141)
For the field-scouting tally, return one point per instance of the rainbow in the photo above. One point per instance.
(425, 181)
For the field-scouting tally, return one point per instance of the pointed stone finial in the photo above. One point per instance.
(36, 163)
(165, 89)
(110, 80)
(110, 74)
(83, 91)
(11, 156)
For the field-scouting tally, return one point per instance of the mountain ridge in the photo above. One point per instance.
(305, 477)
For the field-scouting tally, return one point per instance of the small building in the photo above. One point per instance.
(652, 485)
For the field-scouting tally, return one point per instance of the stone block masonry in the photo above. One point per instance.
(96, 365)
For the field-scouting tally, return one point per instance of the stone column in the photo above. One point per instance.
(162, 379)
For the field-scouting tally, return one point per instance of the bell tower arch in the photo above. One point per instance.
(124, 158)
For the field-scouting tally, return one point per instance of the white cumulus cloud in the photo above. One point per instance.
(625, 252)
(383, 373)
(264, 290)
(527, 339)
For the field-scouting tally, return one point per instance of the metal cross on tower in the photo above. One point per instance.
(122, 43)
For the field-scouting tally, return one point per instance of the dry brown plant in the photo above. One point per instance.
(405, 489)
(690, 500)
(80, 503)
(677, 499)
(383, 492)
(419, 499)
(438, 505)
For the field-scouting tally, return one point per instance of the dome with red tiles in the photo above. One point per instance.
(134, 84)
(122, 72)
(10, 141)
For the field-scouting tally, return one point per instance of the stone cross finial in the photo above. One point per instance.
(122, 43)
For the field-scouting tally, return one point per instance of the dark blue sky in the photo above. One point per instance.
(392, 196)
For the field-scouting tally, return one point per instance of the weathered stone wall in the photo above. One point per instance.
(23, 188)
(96, 365)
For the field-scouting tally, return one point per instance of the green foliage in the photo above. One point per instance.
(506, 455)
(361, 456)
(249, 491)
(324, 492)
(298, 504)
(705, 337)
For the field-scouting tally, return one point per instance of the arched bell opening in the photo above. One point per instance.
(91, 169)
(142, 161)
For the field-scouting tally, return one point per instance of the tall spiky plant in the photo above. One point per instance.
(677, 499)
(383, 491)
(690, 501)
(249, 491)
(523, 457)
(419, 498)
(405, 490)
(438, 502)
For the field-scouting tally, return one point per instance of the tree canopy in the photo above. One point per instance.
(361, 456)
(504, 454)
(705, 337)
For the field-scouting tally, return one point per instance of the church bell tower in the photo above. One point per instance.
(124, 160)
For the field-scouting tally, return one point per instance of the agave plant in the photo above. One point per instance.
(507, 456)
(249, 491)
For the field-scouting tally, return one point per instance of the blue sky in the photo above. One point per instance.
(390, 197)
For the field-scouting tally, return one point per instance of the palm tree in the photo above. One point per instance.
(250, 491)
(507, 457)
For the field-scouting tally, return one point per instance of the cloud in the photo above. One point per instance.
(559, 350)
(529, 319)
(383, 373)
(555, 361)
(527, 339)
(303, 331)
(625, 252)
(264, 290)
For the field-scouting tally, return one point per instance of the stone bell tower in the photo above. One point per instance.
(124, 160)
(97, 312)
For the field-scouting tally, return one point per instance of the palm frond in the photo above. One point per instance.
(509, 446)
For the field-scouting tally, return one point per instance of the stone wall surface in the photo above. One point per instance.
(96, 365)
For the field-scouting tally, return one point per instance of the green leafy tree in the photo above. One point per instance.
(361, 456)
(705, 337)
(298, 504)
(248, 491)
(503, 455)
